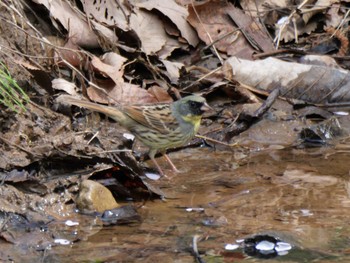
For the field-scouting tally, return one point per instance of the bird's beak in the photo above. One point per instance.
(205, 107)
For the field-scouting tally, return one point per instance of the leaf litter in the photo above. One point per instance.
(277, 76)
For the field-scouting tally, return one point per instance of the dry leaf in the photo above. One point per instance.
(261, 8)
(150, 31)
(123, 93)
(111, 65)
(78, 29)
(176, 13)
(253, 30)
(173, 70)
(111, 13)
(214, 22)
(160, 93)
(310, 83)
(62, 84)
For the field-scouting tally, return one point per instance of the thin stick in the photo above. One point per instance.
(195, 249)
(216, 141)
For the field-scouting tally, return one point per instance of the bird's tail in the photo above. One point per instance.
(110, 111)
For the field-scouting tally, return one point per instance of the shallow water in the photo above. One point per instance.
(301, 197)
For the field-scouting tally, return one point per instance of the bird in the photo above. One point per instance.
(159, 126)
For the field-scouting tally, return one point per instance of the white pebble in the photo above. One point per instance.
(129, 136)
(71, 223)
(194, 209)
(62, 241)
(153, 176)
(231, 246)
(282, 246)
(265, 246)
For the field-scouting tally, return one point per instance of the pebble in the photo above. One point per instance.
(265, 246)
(93, 196)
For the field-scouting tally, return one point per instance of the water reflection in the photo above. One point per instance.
(300, 197)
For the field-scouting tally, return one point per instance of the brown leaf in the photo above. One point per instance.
(111, 13)
(78, 29)
(176, 13)
(124, 93)
(111, 65)
(149, 29)
(214, 22)
(252, 29)
(159, 93)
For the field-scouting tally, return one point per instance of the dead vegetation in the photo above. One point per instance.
(136, 52)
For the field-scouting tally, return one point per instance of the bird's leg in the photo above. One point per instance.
(152, 154)
(171, 163)
(158, 167)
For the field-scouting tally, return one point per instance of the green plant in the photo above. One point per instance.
(10, 93)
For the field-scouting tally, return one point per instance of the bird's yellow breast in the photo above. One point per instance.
(195, 120)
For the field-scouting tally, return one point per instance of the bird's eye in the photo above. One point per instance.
(193, 104)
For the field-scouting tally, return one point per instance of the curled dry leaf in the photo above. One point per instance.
(111, 65)
(150, 31)
(310, 83)
(288, 28)
(62, 84)
(78, 29)
(170, 45)
(71, 54)
(173, 70)
(176, 13)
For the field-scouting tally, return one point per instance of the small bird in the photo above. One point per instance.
(158, 126)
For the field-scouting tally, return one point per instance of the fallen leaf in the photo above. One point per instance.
(214, 26)
(310, 83)
(78, 29)
(176, 13)
(173, 70)
(62, 84)
(149, 29)
(123, 93)
(111, 65)
(111, 13)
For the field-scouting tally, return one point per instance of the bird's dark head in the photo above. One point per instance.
(193, 105)
(191, 108)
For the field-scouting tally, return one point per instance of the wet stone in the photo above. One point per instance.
(95, 197)
(122, 215)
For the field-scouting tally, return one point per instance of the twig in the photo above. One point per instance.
(203, 77)
(196, 254)
(211, 40)
(286, 22)
(221, 38)
(216, 141)
(93, 137)
(341, 23)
